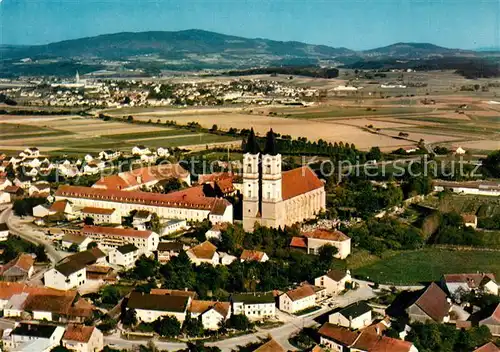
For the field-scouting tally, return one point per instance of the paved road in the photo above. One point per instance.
(28, 234)
(280, 334)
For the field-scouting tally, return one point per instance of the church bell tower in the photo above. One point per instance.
(252, 206)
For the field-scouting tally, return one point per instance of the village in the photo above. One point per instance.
(156, 253)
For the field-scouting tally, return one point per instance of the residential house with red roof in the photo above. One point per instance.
(81, 338)
(18, 269)
(150, 307)
(489, 347)
(492, 322)
(274, 198)
(462, 283)
(110, 238)
(312, 241)
(253, 256)
(431, 304)
(101, 215)
(300, 298)
(205, 252)
(211, 313)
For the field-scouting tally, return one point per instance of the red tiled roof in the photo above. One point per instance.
(11, 189)
(327, 235)
(270, 346)
(79, 333)
(206, 250)
(252, 255)
(299, 181)
(137, 177)
(190, 198)
(22, 261)
(468, 218)
(472, 280)
(489, 347)
(299, 242)
(59, 206)
(433, 301)
(301, 292)
(216, 176)
(336, 274)
(338, 333)
(94, 210)
(169, 292)
(114, 231)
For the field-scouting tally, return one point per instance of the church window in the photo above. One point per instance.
(268, 168)
(249, 168)
(268, 195)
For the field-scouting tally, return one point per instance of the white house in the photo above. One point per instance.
(205, 252)
(458, 150)
(4, 182)
(462, 283)
(172, 226)
(211, 314)
(124, 256)
(166, 250)
(39, 187)
(226, 259)
(80, 338)
(163, 152)
(34, 152)
(140, 150)
(298, 299)
(102, 215)
(4, 232)
(150, 307)
(314, 240)
(254, 305)
(70, 239)
(334, 281)
(482, 188)
(109, 154)
(215, 232)
(113, 237)
(32, 337)
(41, 211)
(355, 316)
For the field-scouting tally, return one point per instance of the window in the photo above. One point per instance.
(249, 168)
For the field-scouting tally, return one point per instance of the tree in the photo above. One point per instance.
(74, 248)
(108, 324)
(167, 326)
(192, 326)
(88, 220)
(41, 254)
(110, 295)
(155, 223)
(239, 322)
(129, 317)
(92, 245)
(214, 128)
(145, 268)
(130, 118)
(60, 349)
(326, 254)
(374, 154)
(491, 164)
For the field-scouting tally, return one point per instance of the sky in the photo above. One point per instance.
(355, 24)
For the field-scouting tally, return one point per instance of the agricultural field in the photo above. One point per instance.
(76, 136)
(415, 267)
(482, 206)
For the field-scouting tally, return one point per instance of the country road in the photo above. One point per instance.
(28, 234)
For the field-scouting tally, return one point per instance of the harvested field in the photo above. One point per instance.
(482, 145)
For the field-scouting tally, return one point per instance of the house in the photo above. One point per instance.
(205, 252)
(410, 150)
(18, 269)
(254, 305)
(14, 191)
(141, 219)
(342, 339)
(41, 211)
(432, 304)
(489, 347)
(33, 152)
(4, 232)
(81, 338)
(215, 232)
(24, 181)
(140, 150)
(150, 307)
(112, 237)
(4, 197)
(70, 239)
(101, 215)
(298, 299)
(109, 154)
(484, 188)
(458, 150)
(32, 337)
(270, 346)
(458, 283)
(492, 322)
(124, 256)
(39, 187)
(355, 316)
(470, 220)
(312, 241)
(211, 313)
(167, 250)
(4, 182)
(163, 152)
(253, 256)
(226, 259)
(334, 281)
(173, 226)
(70, 272)
(61, 206)
(169, 292)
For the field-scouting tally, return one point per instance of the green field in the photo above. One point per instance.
(414, 267)
(482, 206)
(151, 134)
(356, 112)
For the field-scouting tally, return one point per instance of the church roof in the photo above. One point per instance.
(299, 181)
(251, 146)
(271, 147)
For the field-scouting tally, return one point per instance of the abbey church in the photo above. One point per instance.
(274, 198)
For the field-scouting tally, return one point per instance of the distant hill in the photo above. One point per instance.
(150, 53)
(415, 51)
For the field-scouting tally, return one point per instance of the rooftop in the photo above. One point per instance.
(170, 246)
(75, 239)
(270, 346)
(34, 330)
(299, 181)
(206, 250)
(100, 211)
(327, 235)
(355, 310)
(127, 248)
(433, 301)
(115, 231)
(165, 303)
(252, 255)
(254, 298)
(301, 292)
(79, 333)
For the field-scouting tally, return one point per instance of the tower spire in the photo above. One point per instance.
(271, 147)
(251, 146)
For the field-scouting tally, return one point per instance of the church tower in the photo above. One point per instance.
(272, 201)
(252, 205)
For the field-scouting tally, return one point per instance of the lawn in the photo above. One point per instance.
(414, 267)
